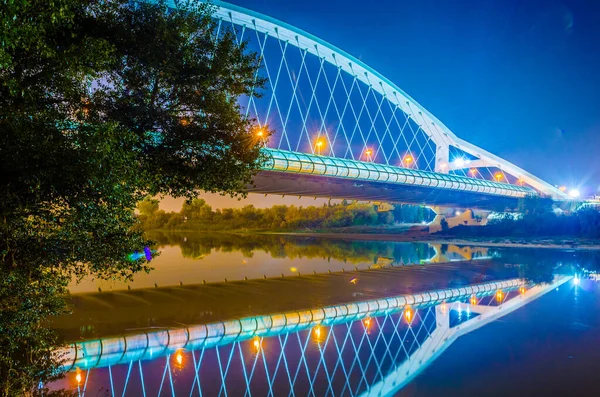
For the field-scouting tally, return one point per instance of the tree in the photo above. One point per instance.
(101, 104)
(444, 225)
(148, 206)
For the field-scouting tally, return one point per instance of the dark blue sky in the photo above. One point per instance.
(518, 78)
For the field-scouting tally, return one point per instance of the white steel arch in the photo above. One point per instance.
(439, 133)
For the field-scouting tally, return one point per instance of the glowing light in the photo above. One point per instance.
(319, 145)
(135, 256)
(562, 188)
(318, 334)
(260, 133)
(148, 253)
(457, 213)
(576, 281)
(367, 322)
(293, 269)
(257, 344)
(408, 314)
(499, 295)
(368, 152)
(460, 162)
(520, 181)
(574, 193)
(473, 171)
(473, 300)
(78, 377)
(353, 280)
(444, 307)
(407, 160)
(179, 358)
(498, 176)
(522, 290)
(184, 121)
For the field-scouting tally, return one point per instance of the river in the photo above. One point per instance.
(319, 317)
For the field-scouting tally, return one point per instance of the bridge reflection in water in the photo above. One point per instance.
(363, 348)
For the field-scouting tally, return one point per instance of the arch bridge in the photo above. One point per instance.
(343, 130)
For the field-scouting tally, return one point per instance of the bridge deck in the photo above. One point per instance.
(322, 176)
(295, 184)
(111, 313)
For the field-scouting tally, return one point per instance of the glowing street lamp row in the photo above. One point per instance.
(408, 162)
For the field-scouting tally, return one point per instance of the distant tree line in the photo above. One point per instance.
(538, 219)
(198, 215)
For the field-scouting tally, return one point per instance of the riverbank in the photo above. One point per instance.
(419, 236)
(406, 233)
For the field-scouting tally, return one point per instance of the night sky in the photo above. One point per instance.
(518, 78)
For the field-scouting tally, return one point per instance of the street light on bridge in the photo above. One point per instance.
(498, 176)
(368, 153)
(319, 145)
(260, 134)
(473, 172)
(407, 161)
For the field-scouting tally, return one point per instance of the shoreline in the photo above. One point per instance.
(422, 237)
(548, 243)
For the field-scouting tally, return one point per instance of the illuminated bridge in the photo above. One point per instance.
(362, 347)
(341, 129)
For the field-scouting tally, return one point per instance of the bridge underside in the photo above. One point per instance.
(273, 182)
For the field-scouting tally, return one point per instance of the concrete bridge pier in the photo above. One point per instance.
(456, 217)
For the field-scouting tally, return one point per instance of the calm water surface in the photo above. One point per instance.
(541, 338)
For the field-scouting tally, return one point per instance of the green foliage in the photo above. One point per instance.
(198, 215)
(175, 88)
(101, 104)
(27, 344)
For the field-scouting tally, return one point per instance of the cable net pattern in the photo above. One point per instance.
(341, 360)
(309, 99)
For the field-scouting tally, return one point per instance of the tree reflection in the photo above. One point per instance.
(198, 245)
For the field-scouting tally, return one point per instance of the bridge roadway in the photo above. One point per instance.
(301, 174)
(103, 314)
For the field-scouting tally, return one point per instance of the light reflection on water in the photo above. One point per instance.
(374, 355)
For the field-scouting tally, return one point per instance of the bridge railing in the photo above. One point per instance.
(302, 163)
